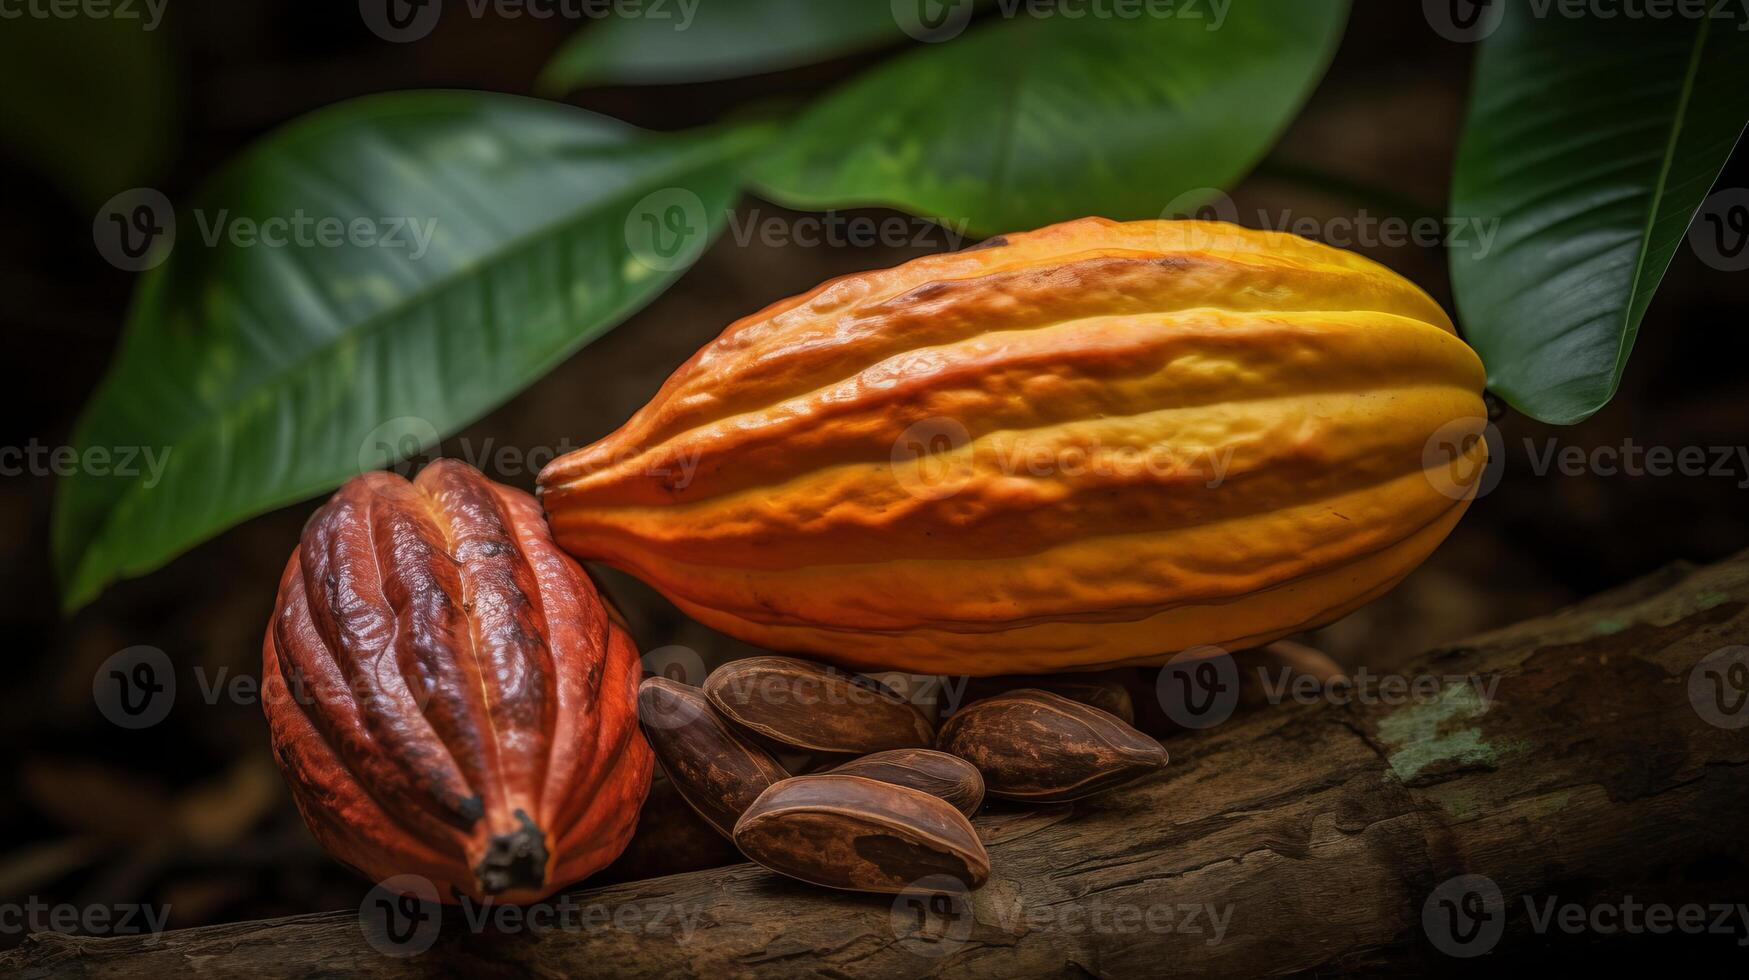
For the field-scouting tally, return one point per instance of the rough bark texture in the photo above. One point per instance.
(1320, 829)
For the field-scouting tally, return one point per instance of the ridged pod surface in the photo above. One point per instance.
(1089, 445)
(448, 695)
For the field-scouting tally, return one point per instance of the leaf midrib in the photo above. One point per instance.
(1683, 98)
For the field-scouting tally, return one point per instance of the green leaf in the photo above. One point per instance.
(719, 39)
(1592, 143)
(90, 102)
(472, 242)
(1027, 120)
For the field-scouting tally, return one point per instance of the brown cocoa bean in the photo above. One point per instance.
(948, 777)
(715, 770)
(1035, 746)
(1104, 690)
(861, 835)
(815, 708)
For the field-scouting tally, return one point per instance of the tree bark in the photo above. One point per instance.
(1566, 758)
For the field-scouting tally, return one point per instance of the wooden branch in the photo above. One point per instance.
(1304, 836)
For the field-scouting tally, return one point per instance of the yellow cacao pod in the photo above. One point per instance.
(1093, 444)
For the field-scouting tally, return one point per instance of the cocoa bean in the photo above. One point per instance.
(715, 770)
(861, 834)
(815, 708)
(948, 777)
(1035, 746)
(1104, 690)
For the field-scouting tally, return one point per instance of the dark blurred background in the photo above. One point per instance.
(191, 812)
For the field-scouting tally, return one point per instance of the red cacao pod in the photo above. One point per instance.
(448, 694)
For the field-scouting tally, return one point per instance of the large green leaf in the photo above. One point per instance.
(1592, 142)
(1025, 120)
(269, 374)
(719, 39)
(90, 102)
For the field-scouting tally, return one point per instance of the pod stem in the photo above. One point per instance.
(514, 861)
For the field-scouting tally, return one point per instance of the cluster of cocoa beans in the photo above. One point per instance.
(836, 779)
